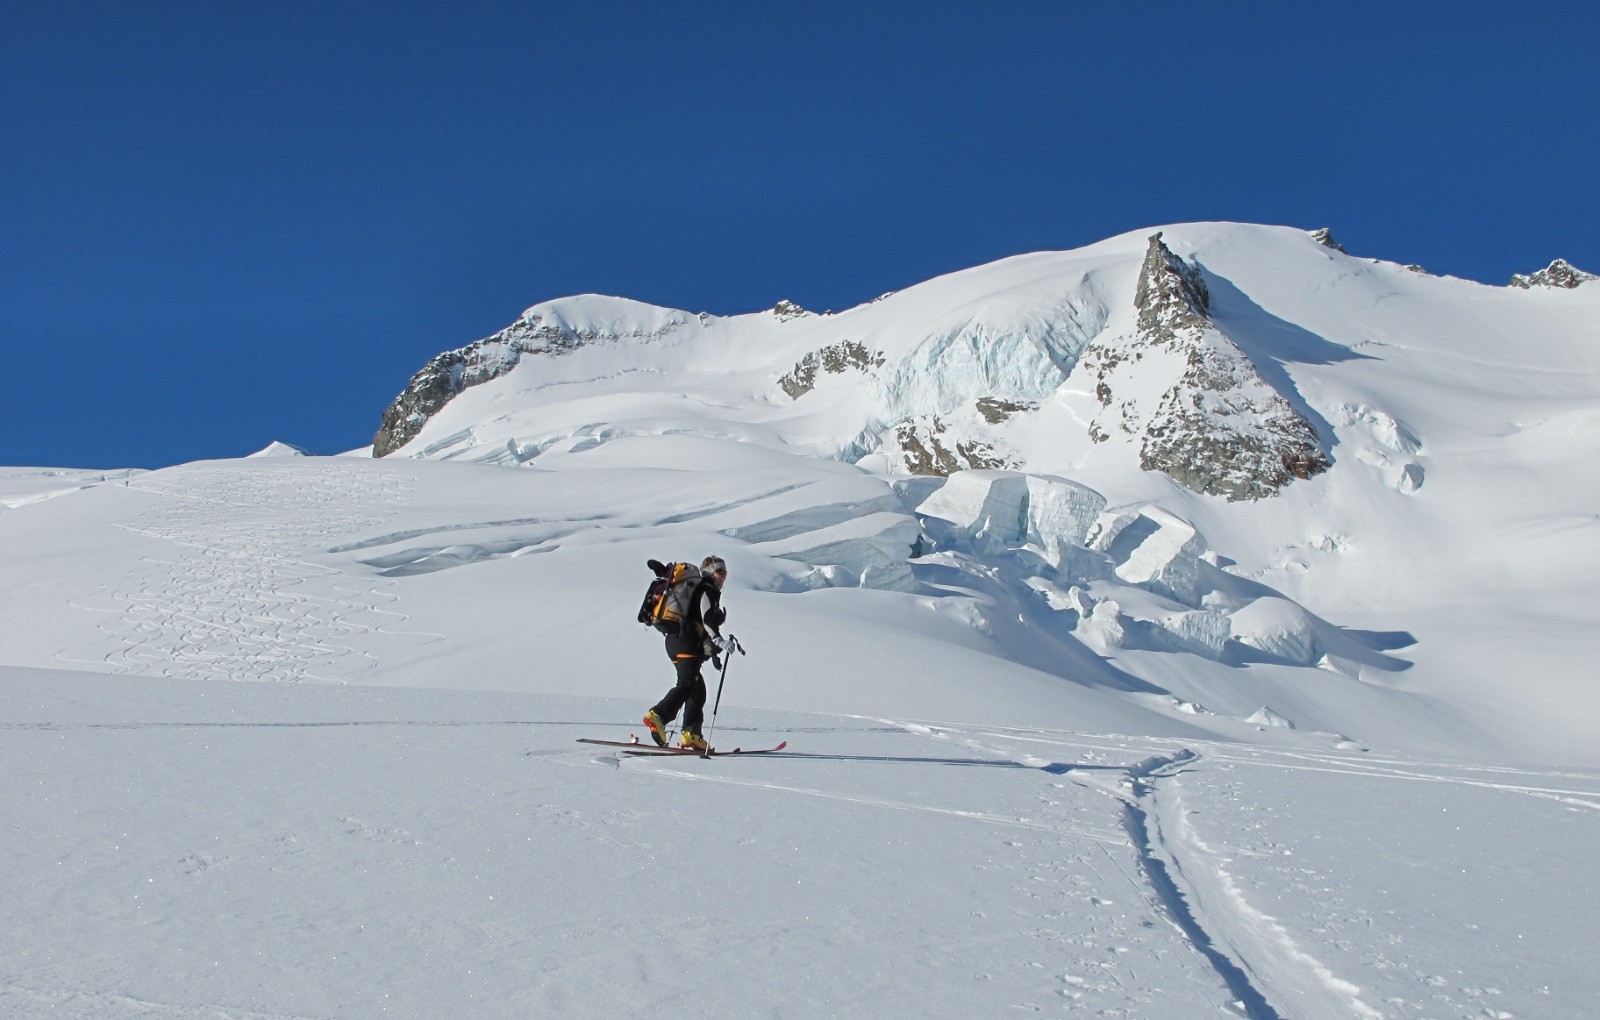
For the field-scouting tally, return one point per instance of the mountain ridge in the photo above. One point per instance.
(1399, 412)
(1011, 335)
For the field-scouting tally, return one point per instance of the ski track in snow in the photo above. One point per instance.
(1082, 871)
(1159, 861)
(1113, 845)
(1253, 955)
(88, 1005)
(237, 601)
(1162, 858)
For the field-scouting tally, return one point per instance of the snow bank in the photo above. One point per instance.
(1384, 427)
(1278, 627)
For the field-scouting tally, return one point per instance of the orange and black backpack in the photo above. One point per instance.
(668, 600)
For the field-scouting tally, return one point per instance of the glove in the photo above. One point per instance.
(724, 644)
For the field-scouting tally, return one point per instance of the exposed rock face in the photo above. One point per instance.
(1172, 294)
(786, 310)
(449, 373)
(833, 359)
(1324, 237)
(1559, 273)
(1201, 411)
(995, 411)
(925, 451)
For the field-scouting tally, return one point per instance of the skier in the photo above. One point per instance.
(700, 638)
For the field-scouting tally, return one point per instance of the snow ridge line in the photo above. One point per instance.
(1136, 820)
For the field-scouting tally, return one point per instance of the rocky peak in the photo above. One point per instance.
(1559, 273)
(786, 310)
(1171, 292)
(1324, 237)
(1193, 400)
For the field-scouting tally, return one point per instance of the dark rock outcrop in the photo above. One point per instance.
(924, 449)
(1324, 237)
(1217, 426)
(1559, 273)
(833, 359)
(995, 410)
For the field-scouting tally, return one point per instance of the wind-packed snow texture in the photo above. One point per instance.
(1064, 736)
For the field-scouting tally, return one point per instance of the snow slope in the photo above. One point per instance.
(184, 848)
(1067, 738)
(1461, 421)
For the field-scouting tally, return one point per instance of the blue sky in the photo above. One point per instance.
(231, 222)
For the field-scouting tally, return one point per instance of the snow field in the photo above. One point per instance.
(1074, 741)
(183, 848)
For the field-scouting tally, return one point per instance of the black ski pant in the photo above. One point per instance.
(689, 694)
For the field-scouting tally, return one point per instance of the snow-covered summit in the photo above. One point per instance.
(597, 316)
(999, 365)
(277, 448)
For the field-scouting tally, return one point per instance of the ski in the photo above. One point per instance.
(639, 747)
(644, 751)
(757, 750)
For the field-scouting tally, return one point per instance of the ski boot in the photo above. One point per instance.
(694, 741)
(657, 728)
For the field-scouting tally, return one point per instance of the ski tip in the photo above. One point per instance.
(781, 745)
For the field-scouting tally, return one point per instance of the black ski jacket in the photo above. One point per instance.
(706, 617)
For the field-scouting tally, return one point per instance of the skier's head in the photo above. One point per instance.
(716, 567)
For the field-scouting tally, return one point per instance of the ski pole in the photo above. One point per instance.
(720, 681)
